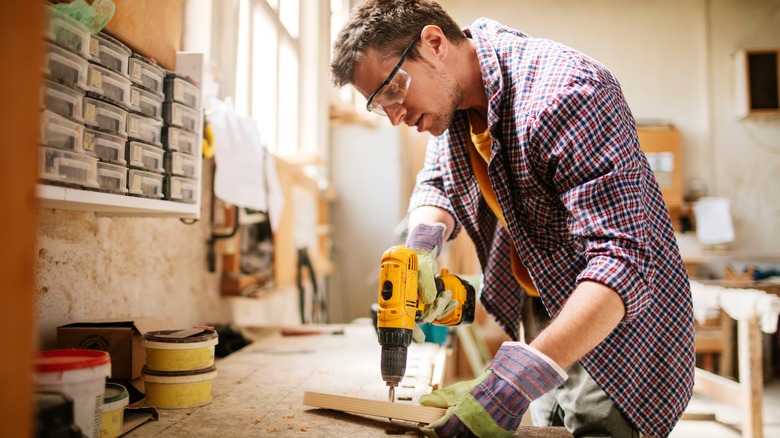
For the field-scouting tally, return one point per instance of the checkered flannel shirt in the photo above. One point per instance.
(581, 203)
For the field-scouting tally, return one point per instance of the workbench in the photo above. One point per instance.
(755, 311)
(259, 390)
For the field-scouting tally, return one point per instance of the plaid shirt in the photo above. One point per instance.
(581, 203)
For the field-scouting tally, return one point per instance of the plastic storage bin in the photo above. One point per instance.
(179, 164)
(181, 189)
(106, 147)
(146, 184)
(144, 72)
(112, 178)
(109, 53)
(181, 116)
(179, 89)
(63, 100)
(145, 156)
(180, 140)
(144, 128)
(65, 67)
(67, 167)
(67, 32)
(105, 116)
(61, 133)
(146, 102)
(108, 84)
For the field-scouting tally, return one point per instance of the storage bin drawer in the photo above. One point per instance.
(146, 102)
(181, 116)
(181, 189)
(109, 53)
(108, 84)
(144, 72)
(180, 140)
(145, 184)
(105, 116)
(61, 133)
(179, 89)
(145, 156)
(104, 146)
(68, 32)
(144, 128)
(112, 178)
(181, 164)
(65, 67)
(56, 165)
(63, 100)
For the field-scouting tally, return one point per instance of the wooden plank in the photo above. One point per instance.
(751, 377)
(149, 27)
(717, 387)
(377, 408)
(21, 28)
(409, 412)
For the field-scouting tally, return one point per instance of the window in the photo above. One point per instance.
(270, 59)
(267, 74)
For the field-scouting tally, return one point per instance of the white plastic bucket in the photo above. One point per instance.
(79, 374)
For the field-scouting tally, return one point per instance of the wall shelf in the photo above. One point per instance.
(109, 204)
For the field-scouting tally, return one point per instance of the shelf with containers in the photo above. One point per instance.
(119, 134)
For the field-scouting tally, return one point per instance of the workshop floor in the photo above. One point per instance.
(729, 417)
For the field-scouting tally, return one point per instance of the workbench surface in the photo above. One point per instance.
(259, 390)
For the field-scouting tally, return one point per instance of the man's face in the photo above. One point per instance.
(430, 100)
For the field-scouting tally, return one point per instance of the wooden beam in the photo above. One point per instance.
(398, 411)
(751, 377)
(409, 412)
(717, 387)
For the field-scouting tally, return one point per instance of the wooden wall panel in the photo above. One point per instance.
(149, 27)
(21, 46)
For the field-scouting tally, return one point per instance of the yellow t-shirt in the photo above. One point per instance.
(479, 154)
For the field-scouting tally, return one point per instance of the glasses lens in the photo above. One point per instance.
(392, 94)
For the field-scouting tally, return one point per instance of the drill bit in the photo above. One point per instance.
(391, 394)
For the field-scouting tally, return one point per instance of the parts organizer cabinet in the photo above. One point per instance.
(188, 64)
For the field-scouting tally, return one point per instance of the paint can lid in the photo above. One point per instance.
(114, 392)
(67, 360)
(186, 336)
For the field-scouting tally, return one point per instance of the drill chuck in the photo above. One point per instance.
(394, 342)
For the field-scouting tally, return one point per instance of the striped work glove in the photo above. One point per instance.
(493, 404)
(426, 241)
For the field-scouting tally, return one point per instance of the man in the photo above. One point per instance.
(535, 155)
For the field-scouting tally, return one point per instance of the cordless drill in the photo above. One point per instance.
(400, 307)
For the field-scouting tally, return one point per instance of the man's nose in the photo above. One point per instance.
(396, 114)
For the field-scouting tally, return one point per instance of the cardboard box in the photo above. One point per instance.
(122, 338)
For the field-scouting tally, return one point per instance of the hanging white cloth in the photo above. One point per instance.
(245, 172)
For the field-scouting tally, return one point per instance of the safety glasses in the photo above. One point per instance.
(392, 91)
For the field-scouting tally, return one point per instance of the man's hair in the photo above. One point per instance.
(388, 26)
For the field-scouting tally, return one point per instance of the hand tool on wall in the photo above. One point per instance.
(400, 308)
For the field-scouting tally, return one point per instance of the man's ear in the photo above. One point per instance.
(434, 41)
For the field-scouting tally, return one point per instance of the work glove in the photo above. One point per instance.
(426, 241)
(493, 404)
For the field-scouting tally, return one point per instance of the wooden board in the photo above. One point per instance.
(409, 412)
(151, 28)
(378, 408)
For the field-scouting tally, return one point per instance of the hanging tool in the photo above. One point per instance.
(400, 307)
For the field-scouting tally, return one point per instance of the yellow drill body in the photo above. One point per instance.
(400, 307)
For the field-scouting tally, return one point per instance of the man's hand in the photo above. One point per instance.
(493, 404)
(426, 241)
